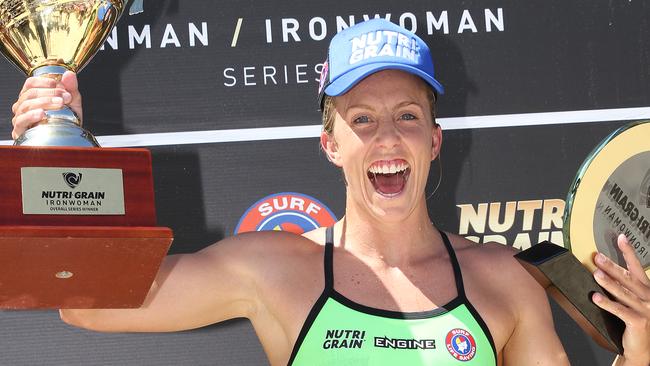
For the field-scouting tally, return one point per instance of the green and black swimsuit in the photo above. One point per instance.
(341, 332)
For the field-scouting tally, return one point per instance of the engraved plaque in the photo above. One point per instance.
(72, 191)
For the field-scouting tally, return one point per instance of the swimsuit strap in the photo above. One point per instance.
(329, 259)
(458, 276)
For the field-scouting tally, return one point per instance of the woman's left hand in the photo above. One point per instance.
(630, 289)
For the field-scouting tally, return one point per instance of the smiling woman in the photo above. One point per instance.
(386, 120)
(382, 286)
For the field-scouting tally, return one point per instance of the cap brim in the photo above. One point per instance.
(345, 82)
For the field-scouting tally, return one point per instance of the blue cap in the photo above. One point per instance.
(372, 46)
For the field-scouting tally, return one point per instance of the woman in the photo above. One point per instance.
(383, 286)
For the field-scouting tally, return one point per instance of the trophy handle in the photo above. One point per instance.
(62, 126)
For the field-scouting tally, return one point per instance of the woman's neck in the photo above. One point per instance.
(395, 243)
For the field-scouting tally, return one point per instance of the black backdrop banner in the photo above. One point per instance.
(224, 95)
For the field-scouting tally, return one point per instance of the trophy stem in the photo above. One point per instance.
(51, 71)
(56, 72)
(62, 127)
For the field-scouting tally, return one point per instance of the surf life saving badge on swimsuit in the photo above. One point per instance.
(610, 195)
(460, 344)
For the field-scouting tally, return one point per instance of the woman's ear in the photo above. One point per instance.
(329, 145)
(436, 141)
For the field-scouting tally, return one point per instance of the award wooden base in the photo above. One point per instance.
(571, 285)
(77, 228)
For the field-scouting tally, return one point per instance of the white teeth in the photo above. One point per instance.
(392, 168)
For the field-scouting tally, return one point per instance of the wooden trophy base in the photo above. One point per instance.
(572, 285)
(78, 228)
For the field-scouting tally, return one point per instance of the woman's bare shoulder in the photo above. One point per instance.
(474, 251)
(256, 253)
(494, 264)
(282, 242)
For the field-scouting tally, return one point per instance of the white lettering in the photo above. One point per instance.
(225, 74)
(390, 36)
(169, 37)
(269, 75)
(145, 36)
(552, 214)
(111, 40)
(474, 218)
(248, 76)
(412, 19)
(497, 21)
(297, 204)
(387, 50)
(403, 40)
(441, 22)
(265, 209)
(312, 29)
(301, 73)
(290, 28)
(370, 51)
(269, 34)
(466, 22)
(202, 36)
(341, 24)
(522, 241)
(312, 208)
(359, 42)
(508, 216)
(284, 206)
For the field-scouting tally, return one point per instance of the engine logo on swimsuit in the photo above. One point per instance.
(287, 211)
(460, 344)
(406, 343)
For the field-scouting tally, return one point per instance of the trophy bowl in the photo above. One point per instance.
(48, 37)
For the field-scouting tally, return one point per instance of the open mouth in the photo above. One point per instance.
(389, 177)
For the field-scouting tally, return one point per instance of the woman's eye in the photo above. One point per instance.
(408, 117)
(362, 119)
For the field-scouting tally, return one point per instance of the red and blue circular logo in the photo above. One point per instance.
(287, 211)
(461, 344)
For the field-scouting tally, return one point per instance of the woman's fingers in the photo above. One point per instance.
(43, 99)
(40, 94)
(26, 120)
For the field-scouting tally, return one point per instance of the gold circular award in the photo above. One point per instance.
(610, 195)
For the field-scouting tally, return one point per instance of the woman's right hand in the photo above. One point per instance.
(40, 94)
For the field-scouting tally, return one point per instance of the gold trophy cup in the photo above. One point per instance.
(77, 222)
(48, 37)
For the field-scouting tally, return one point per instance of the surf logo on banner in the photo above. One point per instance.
(286, 211)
